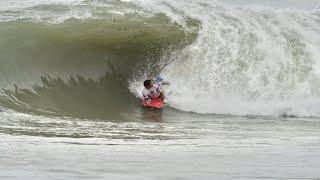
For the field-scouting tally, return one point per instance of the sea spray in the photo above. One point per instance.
(246, 61)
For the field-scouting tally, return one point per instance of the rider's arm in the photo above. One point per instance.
(162, 95)
(159, 89)
(145, 96)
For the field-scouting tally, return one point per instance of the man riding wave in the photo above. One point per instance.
(152, 91)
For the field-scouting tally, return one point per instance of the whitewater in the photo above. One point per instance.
(242, 91)
(247, 61)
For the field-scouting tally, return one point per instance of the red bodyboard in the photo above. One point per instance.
(155, 103)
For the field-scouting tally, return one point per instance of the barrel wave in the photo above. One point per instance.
(87, 59)
(82, 66)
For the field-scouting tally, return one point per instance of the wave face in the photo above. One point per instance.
(88, 58)
(66, 64)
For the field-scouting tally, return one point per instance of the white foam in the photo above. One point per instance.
(246, 60)
(57, 11)
(14, 5)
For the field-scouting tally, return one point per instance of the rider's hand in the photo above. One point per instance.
(148, 101)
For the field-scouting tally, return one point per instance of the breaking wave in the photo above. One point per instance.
(88, 58)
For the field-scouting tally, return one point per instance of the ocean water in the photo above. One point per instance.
(242, 99)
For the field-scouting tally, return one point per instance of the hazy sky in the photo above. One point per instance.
(292, 4)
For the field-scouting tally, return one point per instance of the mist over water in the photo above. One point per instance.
(250, 60)
(278, 4)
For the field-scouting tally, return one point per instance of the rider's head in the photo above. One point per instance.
(147, 84)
